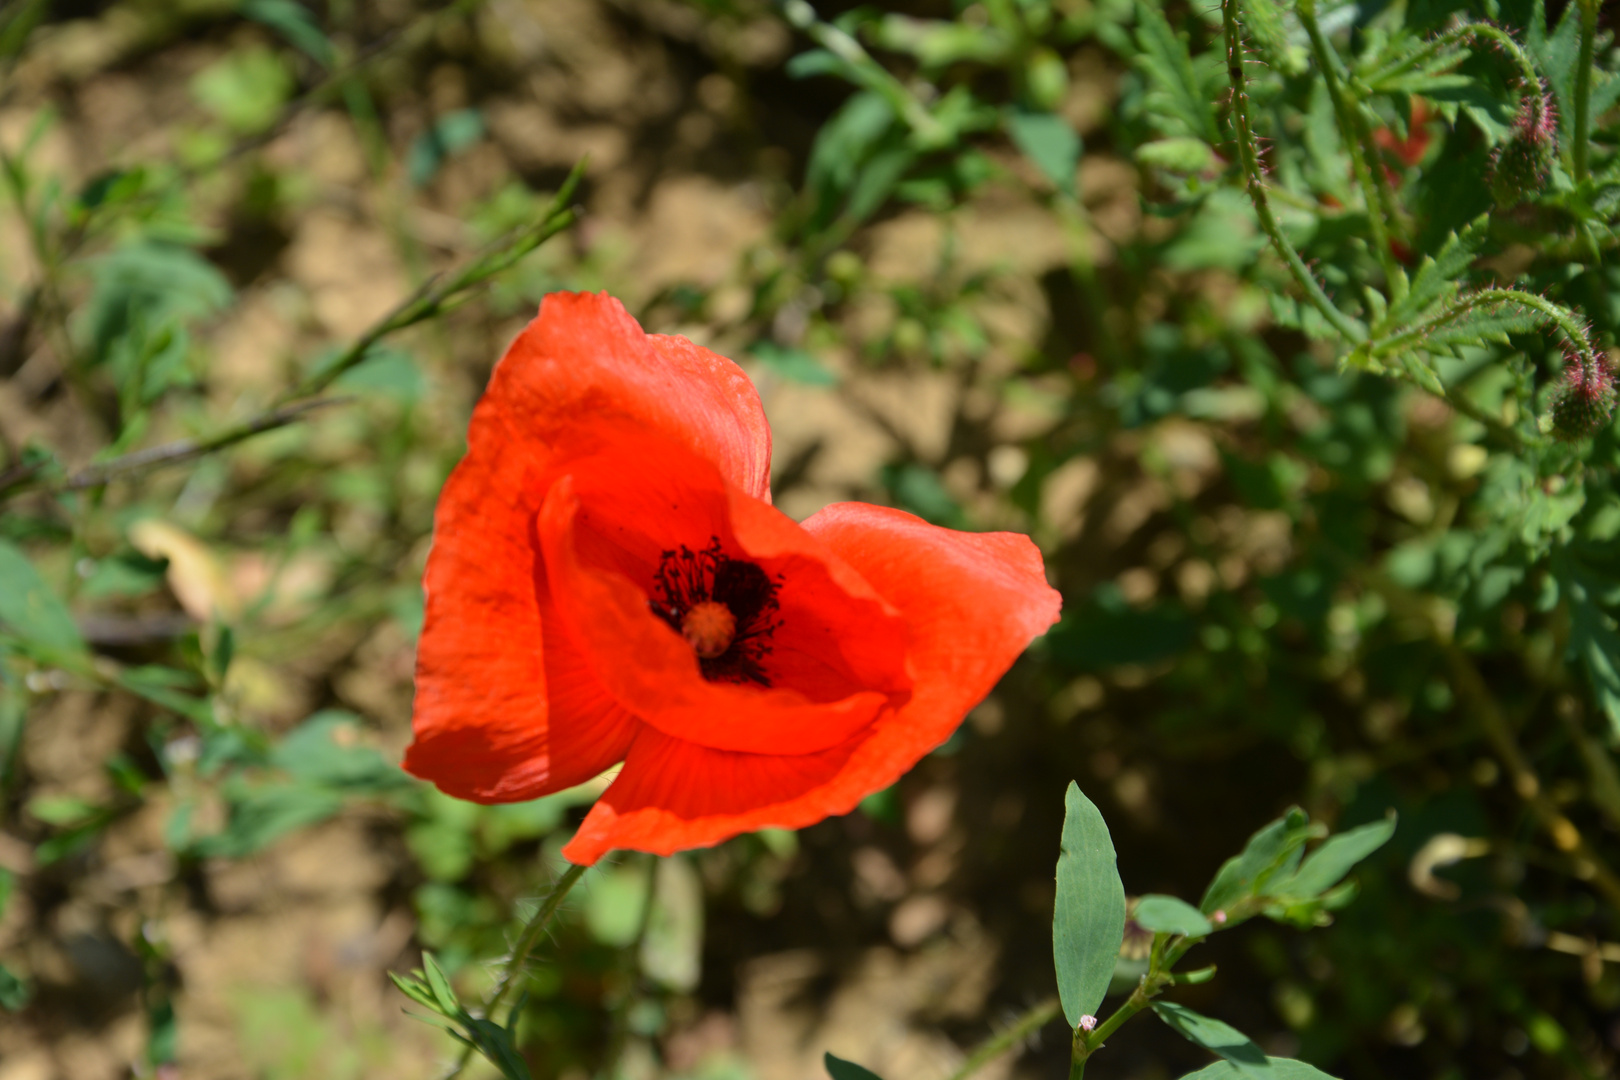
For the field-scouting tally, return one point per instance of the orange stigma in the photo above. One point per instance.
(709, 627)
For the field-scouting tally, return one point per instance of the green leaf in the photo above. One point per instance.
(1276, 847)
(839, 1069)
(414, 989)
(1327, 865)
(1168, 915)
(1593, 638)
(672, 949)
(1185, 154)
(14, 993)
(1276, 1068)
(246, 89)
(1217, 1037)
(32, 611)
(1088, 920)
(1176, 92)
(450, 134)
(1438, 276)
(1559, 53)
(322, 750)
(1048, 141)
(795, 365)
(439, 983)
(294, 22)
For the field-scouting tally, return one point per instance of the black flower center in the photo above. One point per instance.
(726, 608)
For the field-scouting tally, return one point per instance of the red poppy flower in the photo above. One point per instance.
(609, 582)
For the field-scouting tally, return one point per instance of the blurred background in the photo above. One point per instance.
(995, 313)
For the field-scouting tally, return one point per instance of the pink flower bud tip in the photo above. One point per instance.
(1088, 1022)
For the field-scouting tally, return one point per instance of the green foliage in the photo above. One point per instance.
(1089, 917)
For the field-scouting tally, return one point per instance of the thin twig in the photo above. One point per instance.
(432, 298)
(999, 1043)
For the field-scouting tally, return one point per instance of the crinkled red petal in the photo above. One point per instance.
(973, 602)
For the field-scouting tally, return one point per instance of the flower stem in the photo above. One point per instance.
(527, 940)
(1583, 88)
(997, 1044)
(1358, 141)
(1350, 329)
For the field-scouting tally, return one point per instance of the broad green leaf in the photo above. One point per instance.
(1276, 1068)
(1218, 1038)
(322, 750)
(31, 611)
(1167, 914)
(1326, 866)
(1048, 141)
(839, 1069)
(1277, 847)
(614, 902)
(1088, 921)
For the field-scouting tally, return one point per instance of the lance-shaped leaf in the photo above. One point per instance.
(1274, 850)
(1218, 1037)
(1088, 922)
(31, 611)
(1327, 865)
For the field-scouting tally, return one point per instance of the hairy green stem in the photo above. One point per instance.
(533, 931)
(997, 1044)
(1375, 191)
(1583, 89)
(1528, 75)
(1566, 320)
(1347, 327)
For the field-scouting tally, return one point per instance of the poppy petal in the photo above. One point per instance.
(612, 617)
(673, 795)
(973, 602)
(585, 360)
(506, 708)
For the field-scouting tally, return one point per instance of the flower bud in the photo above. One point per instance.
(1584, 403)
(1521, 166)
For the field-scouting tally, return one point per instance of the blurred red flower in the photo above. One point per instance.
(609, 582)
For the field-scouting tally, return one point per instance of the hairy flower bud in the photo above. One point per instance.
(1521, 166)
(1583, 404)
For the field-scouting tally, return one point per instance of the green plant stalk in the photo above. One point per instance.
(1086, 1043)
(434, 298)
(1583, 90)
(998, 1044)
(533, 931)
(1375, 190)
(1348, 328)
(802, 17)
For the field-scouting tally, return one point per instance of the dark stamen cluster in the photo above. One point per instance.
(687, 578)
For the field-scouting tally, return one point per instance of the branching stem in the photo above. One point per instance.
(998, 1044)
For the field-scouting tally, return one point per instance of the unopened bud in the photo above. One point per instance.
(1088, 1022)
(1521, 166)
(1583, 404)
